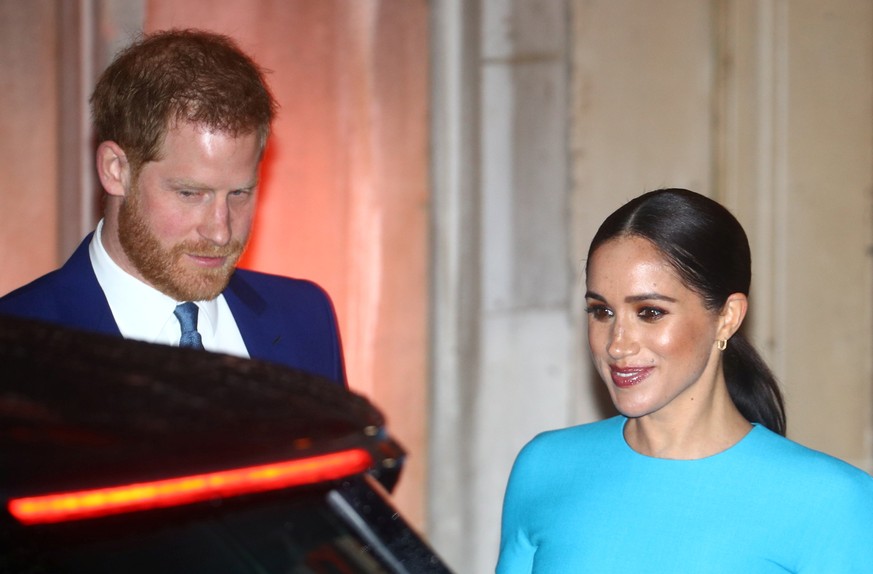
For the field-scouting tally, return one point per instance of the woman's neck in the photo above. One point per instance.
(687, 432)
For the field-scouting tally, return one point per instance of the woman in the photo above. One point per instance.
(695, 474)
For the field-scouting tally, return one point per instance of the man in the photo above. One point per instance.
(182, 118)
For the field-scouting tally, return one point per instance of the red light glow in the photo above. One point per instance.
(185, 490)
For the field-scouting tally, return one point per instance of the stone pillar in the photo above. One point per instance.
(503, 366)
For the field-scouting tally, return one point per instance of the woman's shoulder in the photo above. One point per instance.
(787, 451)
(809, 468)
(590, 437)
(554, 454)
(828, 500)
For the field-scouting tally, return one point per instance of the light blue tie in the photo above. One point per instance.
(186, 313)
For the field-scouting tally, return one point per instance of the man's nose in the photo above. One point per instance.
(216, 222)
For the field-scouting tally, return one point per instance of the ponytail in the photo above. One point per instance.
(752, 386)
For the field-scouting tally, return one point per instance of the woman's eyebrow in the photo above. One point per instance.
(633, 298)
(649, 297)
(593, 295)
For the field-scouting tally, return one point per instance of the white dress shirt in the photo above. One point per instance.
(145, 314)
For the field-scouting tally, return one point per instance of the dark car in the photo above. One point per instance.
(121, 456)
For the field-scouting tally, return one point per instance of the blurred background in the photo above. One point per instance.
(440, 167)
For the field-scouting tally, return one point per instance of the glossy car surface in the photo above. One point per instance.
(121, 456)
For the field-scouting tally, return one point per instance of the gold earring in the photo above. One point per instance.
(721, 344)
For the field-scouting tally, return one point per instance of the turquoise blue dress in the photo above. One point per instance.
(581, 500)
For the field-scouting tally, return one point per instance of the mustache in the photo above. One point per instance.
(207, 249)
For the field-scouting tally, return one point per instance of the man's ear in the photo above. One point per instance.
(732, 315)
(113, 168)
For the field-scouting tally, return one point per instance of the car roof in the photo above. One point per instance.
(82, 410)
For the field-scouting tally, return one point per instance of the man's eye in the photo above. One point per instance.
(241, 195)
(651, 313)
(599, 312)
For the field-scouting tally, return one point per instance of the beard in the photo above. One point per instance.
(163, 268)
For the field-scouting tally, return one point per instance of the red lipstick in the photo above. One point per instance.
(629, 376)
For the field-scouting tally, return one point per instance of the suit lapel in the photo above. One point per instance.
(250, 313)
(85, 303)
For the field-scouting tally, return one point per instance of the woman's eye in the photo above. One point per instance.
(651, 313)
(599, 312)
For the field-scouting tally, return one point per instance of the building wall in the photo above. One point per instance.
(795, 146)
(29, 96)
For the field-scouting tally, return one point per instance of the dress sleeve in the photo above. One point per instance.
(844, 539)
(516, 549)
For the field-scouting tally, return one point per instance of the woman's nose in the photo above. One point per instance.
(622, 342)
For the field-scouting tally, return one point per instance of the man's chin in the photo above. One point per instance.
(195, 287)
(207, 292)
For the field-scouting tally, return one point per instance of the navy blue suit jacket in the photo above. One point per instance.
(281, 320)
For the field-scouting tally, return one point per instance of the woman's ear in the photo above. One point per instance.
(113, 168)
(732, 315)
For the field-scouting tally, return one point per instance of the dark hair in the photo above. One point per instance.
(179, 76)
(708, 248)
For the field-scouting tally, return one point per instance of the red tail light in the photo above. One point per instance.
(184, 490)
